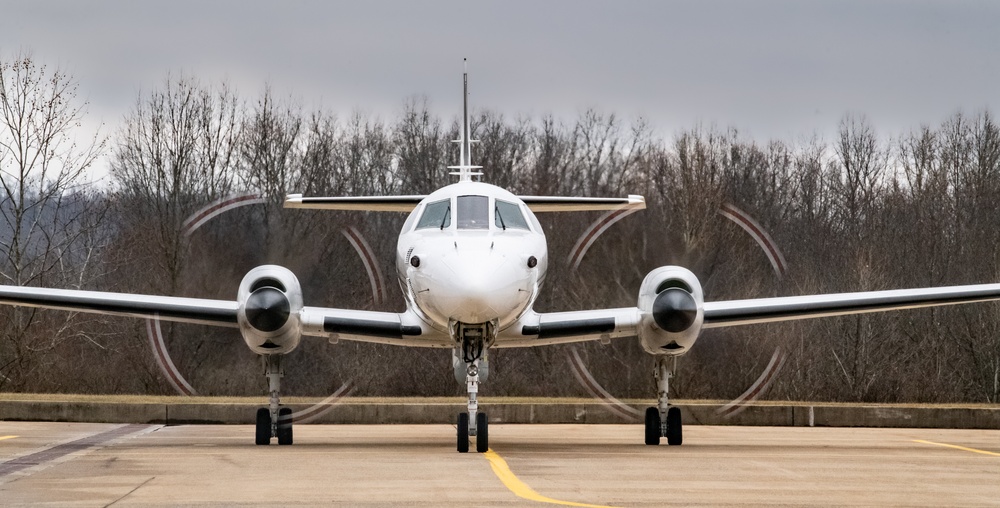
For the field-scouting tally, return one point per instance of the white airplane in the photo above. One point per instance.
(470, 259)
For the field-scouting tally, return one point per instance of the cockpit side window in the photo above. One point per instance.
(436, 215)
(410, 219)
(473, 212)
(508, 215)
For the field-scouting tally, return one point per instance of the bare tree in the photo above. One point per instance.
(421, 146)
(45, 206)
(269, 146)
(174, 153)
(863, 163)
(504, 148)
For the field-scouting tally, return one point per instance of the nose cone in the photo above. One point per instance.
(481, 290)
(267, 309)
(474, 286)
(674, 310)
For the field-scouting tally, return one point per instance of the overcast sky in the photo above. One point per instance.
(770, 68)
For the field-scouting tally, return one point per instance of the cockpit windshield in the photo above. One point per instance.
(436, 215)
(473, 212)
(508, 215)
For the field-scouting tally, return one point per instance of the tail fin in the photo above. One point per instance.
(465, 168)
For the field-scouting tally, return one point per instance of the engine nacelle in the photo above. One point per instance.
(270, 299)
(672, 310)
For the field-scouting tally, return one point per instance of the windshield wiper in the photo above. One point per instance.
(447, 215)
(499, 216)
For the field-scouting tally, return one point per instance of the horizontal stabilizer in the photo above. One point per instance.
(369, 203)
(573, 204)
(408, 203)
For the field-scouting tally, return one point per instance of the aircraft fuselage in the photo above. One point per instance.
(471, 253)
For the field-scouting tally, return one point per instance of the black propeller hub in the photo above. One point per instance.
(674, 310)
(267, 309)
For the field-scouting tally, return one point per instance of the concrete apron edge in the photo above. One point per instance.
(798, 414)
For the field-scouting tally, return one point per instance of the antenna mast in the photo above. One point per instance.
(465, 168)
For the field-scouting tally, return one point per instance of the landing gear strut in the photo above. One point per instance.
(663, 420)
(473, 422)
(274, 420)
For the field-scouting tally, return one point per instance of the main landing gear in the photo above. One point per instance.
(664, 420)
(275, 420)
(474, 422)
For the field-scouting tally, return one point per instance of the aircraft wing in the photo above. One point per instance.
(403, 329)
(767, 310)
(356, 325)
(170, 308)
(537, 329)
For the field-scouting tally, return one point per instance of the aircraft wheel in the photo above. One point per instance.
(285, 426)
(652, 426)
(675, 434)
(482, 433)
(463, 432)
(263, 426)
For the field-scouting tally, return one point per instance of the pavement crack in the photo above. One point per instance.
(129, 493)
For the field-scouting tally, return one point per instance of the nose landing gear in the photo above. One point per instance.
(473, 351)
(663, 420)
(474, 422)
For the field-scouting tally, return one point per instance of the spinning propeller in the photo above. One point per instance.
(675, 310)
(267, 308)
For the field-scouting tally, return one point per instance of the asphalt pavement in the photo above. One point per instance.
(83, 464)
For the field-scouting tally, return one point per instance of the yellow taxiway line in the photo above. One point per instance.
(973, 450)
(515, 485)
(6, 437)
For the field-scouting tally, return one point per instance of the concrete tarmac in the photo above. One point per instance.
(84, 464)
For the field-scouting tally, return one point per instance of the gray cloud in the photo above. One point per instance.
(781, 69)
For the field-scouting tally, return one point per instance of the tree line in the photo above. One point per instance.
(859, 212)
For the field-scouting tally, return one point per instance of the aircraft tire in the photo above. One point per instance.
(652, 426)
(675, 435)
(463, 432)
(263, 426)
(285, 426)
(482, 433)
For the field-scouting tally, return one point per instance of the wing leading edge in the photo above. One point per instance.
(767, 310)
(171, 308)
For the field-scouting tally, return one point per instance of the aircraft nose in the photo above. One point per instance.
(480, 290)
(480, 286)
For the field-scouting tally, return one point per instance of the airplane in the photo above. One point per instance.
(470, 260)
